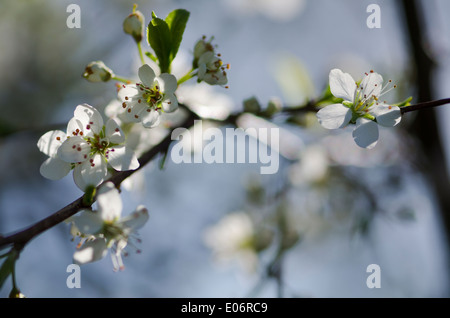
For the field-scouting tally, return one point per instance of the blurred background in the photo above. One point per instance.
(224, 230)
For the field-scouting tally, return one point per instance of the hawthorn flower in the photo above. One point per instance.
(144, 101)
(106, 228)
(211, 69)
(89, 147)
(360, 106)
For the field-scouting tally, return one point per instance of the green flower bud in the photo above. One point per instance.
(134, 25)
(273, 107)
(97, 71)
(251, 105)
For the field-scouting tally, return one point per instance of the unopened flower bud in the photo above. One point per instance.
(251, 105)
(273, 107)
(134, 25)
(97, 72)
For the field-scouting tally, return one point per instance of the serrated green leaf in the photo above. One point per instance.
(159, 38)
(177, 20)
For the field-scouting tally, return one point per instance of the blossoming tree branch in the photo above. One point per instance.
(103, 150)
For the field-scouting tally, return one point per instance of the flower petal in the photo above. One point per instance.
(342, 85)
(334, 116)
(55, 168)
(50, 142)
(147, 75)
(78, 179)
(170, 103)
(168, 83)
(75, 126)
(371, 85)
(88, 222)
(94, 170)
(113, 132)
(122, 158)
(150, 118)
(135, 111)
(109, 202)
(386, 115)
(74, 149)
(127, 92)
(366, 133)
(88, 115)
(91, 251)
(135, 220)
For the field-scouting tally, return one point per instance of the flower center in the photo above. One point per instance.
(152, 96)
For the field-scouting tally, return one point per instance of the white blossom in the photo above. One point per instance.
(88, 147)
(106, 229)
(144, 101)
(360, 106)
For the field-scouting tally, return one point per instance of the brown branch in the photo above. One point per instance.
(21, 238)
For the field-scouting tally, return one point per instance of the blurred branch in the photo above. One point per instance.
(425, 126)
(20, 239)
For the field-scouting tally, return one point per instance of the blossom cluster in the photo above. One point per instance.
(95, 149)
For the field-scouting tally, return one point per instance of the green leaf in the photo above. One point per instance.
(160, 39)
(177, 20)
(163, 161)
(7, 267)
(404, 103)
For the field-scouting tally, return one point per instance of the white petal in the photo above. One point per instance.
(201, 71)
(170, 103)
(366, 133)
(150, 119)
(109, 202)
(136, 111)
(371, 85)
(113, 132)
(75, 126)
(135, 220)
(334, 116)
(88, 222)
(94, 170)
(168, 83)
(122, 158)
(128, 91)
(206, 58)
(342, 85)
(54, 168)
(91, 251)
(386, 115)
(50, 142)
(75, 149)
(88, 115)
(78, 179)
(114, 108)
(147, 75)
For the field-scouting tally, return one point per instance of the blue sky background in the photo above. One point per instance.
(184, 200)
